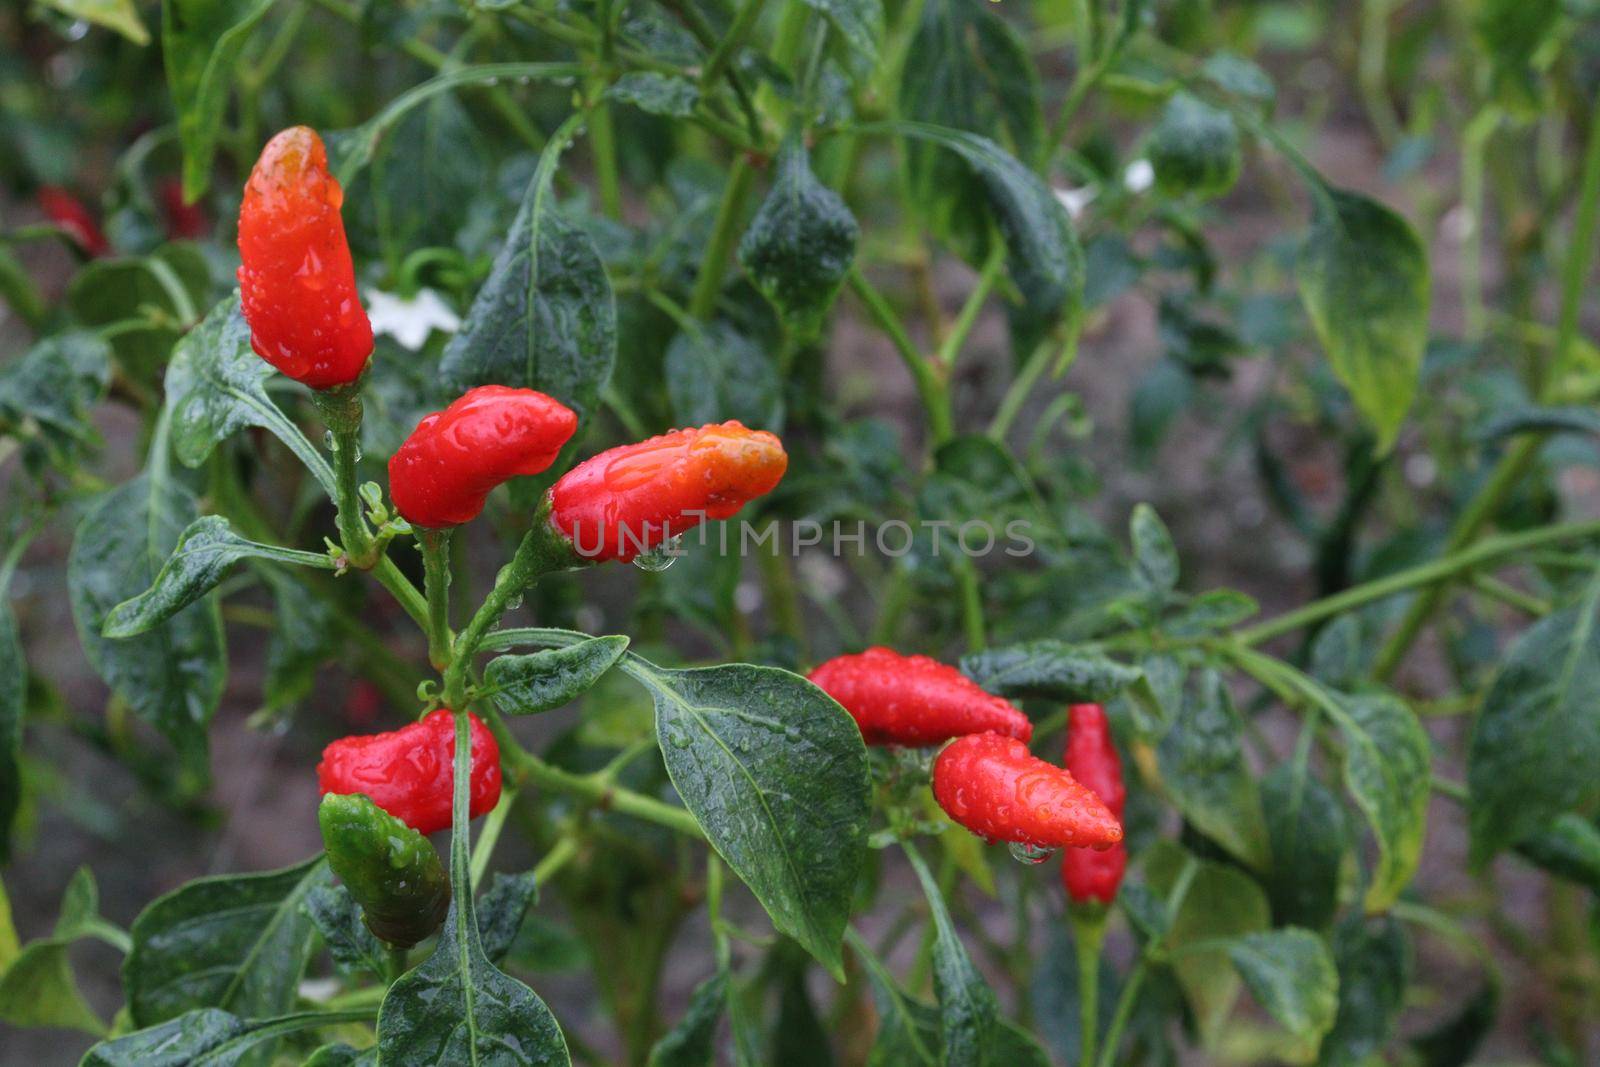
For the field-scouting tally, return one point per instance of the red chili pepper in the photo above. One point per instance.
(632, 498)
(185, 221)
(70, 214)
(410, 773)
(913, 700)
(996, 788)
(1094, 874)
(296, 281)
(444, 471)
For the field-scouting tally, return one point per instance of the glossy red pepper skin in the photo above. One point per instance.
(409, 772)
(296, 281)
(71, 215)
(995, 787)
(1094, 874)
(634, 497)
(913, 700)
(444, 471)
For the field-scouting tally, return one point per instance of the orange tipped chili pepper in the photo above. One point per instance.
(296, 281)
(444, 471)
(913, 700)
(632, 498)
(996, 788)
(1087, 873)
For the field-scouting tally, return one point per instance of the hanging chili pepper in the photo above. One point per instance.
(185, 221)
(996, 788)
(1094, 874)
(913, 700)
(297, 284)
(408, 772)
(444, 471)
(391, 870)
(72, 216)
(631, 499)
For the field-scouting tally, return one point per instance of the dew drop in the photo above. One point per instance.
(659, 558)
(1029, 854)
(327, 440)
(514, 603)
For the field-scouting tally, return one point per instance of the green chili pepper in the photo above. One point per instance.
(391, 870)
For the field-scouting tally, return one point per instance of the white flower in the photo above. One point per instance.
(1075, 200)
(410, 321)
(1139, 176)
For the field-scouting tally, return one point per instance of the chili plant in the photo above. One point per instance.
(355, 369)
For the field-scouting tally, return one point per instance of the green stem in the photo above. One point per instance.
(395, 961)
(602, 138)
(489, 833)
(1426, 574)
(1088, 935)
(731, 42)
(388, 575)
(708, 284)
(341, 410)
(928, 377)
(968, 317)
(541, 552)
(1020, 390)
(1486, 504)
(435, 546)
(529, 769)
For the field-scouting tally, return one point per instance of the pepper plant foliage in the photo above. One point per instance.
(668, 213)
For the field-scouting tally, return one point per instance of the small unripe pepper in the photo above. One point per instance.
(444, 471)
(913, 700)
(409, 772)
(297, 284)
(632, 498)
(1094, 874)
(996, 788)
(391, 870)
(70, 214)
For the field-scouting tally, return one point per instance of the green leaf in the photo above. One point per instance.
(458, 1008)
(800, 244)
(337, 917)
(908, 1030)
(149, 300)
(501, 911)
(1213, 610)
(19, 292)
(1195, 148)
(1537, 739)
(656, 94)
(859, 22)
(1203, 769)
(1050, 670)
(1568, 848)
(1363, 275)
(1042, 251)
(692, 1040)
(715, 373)
(342, 1055)
(1338, 653)
(969, 1014)
(119, 16)
(1374, 961)
(200, 45)
(304, 637)
(1579, 420)
(1454, 1042)
(202, 558)
(775, 772)
(171, 676)
(214, 389)
(238, 942)
(13, 710)
(1308, 837)
(55, 385)
(38, 989)
(542, 681)
(1222, 903)
(432, 169)
(1292, 976)
(1387, 769)
(1514, 34)
(1241, 77)
(1155, 558)
(205, 1037)
(545, 319)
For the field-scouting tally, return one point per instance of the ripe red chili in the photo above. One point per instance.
(996, 788)
(444, 471)
(913, 700)
(296, 281)
(1094, 874)
(70, 214)
(185, 221)
(634, 497)
(409, 772)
